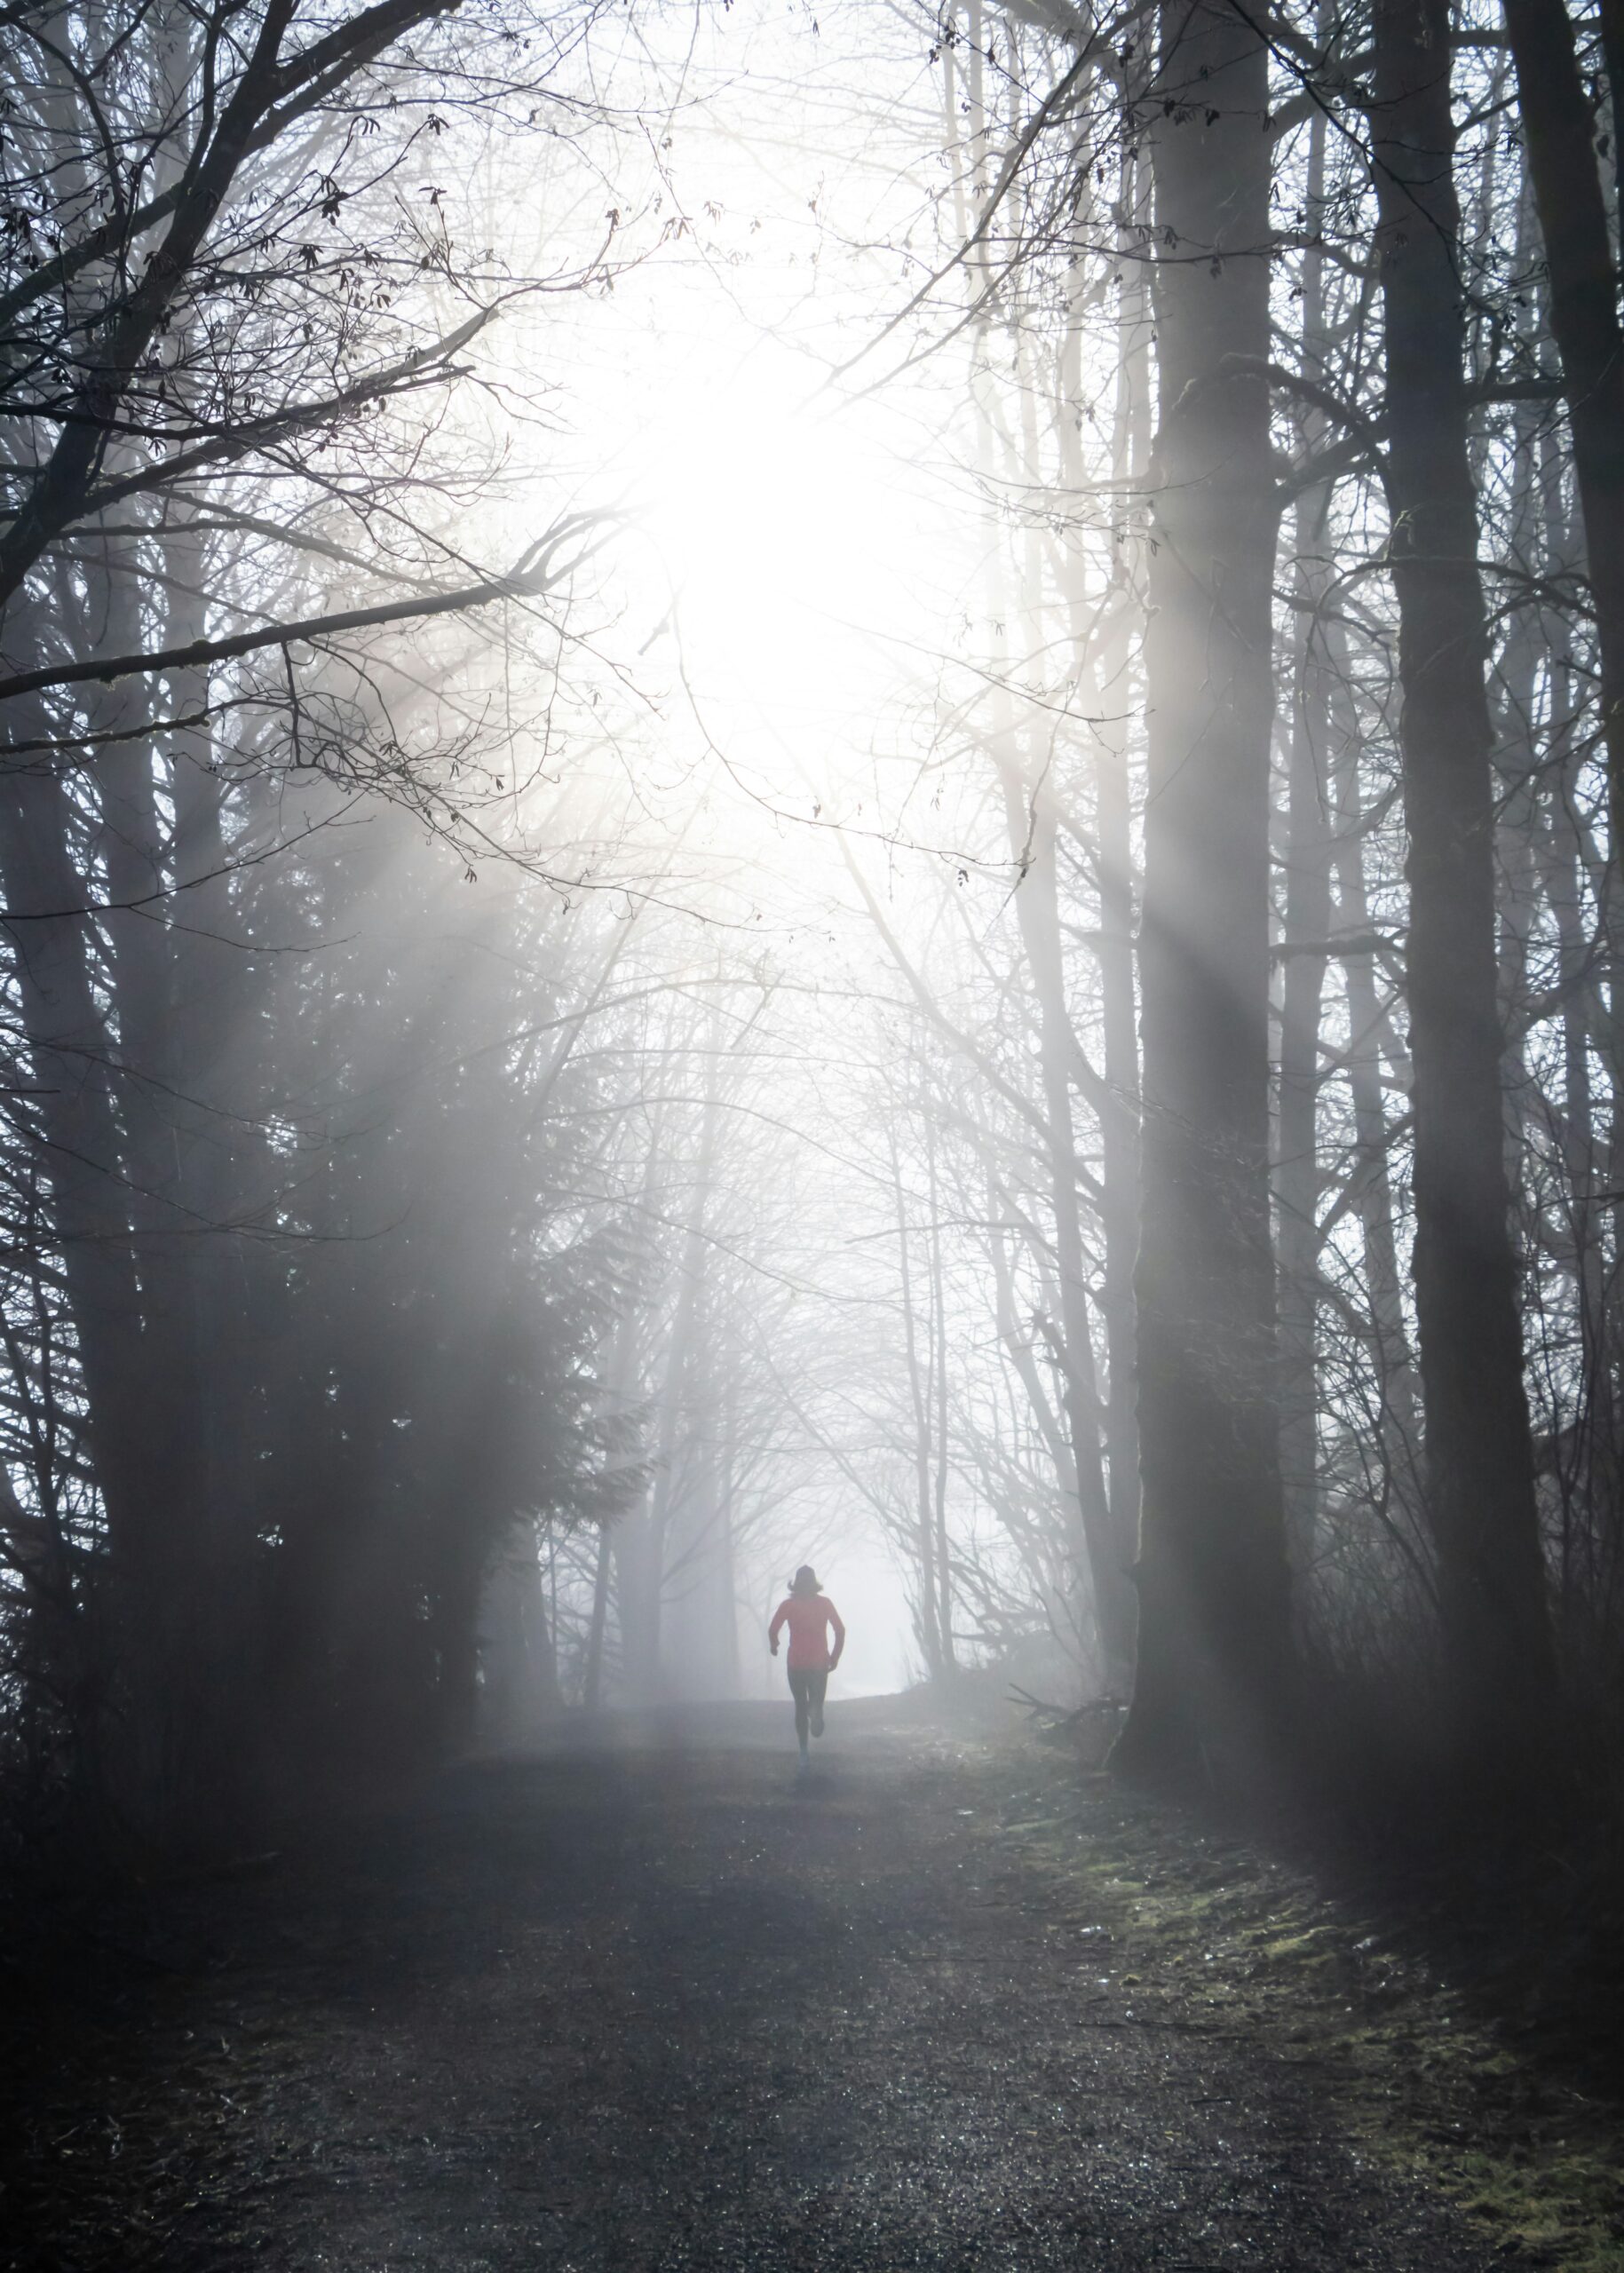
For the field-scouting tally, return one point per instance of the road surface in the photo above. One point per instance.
(654, 2005)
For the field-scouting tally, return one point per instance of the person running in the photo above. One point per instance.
(809, 1614)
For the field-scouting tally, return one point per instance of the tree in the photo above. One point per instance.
(1213, 1622)
(220, 325)
(1480, 1494)
(211, 283)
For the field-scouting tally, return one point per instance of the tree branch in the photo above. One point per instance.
(521, 583)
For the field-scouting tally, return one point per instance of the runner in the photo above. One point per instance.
(809, 1614)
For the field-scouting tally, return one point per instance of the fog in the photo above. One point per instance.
(749, 827)
(812, 1135)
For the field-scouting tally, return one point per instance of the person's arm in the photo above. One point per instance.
(773, 1631)
(840, 1636)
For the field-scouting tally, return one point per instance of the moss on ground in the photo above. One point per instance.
(1208, 1931)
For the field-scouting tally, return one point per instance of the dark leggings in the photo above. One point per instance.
(807, 1684)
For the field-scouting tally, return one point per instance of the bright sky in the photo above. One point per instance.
(801, 542)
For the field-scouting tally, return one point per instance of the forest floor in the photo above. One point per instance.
(654, 2004)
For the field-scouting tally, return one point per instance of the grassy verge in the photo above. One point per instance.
(1417, 2028)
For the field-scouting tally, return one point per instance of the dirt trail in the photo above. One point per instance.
(641, 2009)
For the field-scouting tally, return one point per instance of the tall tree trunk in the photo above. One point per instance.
(938, 1380)
(1559, 134)
(591, 1686)
(936, 1646)
(1305, 922)
(518, 1648)
(75, 1118)
(726, 1542)
(1214, 1639)
(1101, 635)
(1307, 860)
(1119, 1114)
(1054, 1584)
(212, 1001)
(1105, 1548)
(1480, 1491)
(100, 1123)
(1399, 1410)
(1564, 866)
(620, 1558)
(181, 1637)
(1100, 1550)
(640, 1541)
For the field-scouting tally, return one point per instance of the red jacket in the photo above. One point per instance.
(808, 1618)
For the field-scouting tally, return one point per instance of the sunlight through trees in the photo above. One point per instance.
(789, 786)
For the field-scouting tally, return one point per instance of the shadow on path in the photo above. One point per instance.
(650, 2004)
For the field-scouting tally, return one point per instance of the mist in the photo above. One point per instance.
(812, 1136)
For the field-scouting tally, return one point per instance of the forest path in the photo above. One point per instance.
(657, 2007)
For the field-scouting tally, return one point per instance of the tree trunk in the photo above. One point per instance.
(936, 1645)
(1307, 913)
(1479, 1464)
(190, 1682)
(1214, 1603)
(1106, 1548)
(1100, 1549)
(517, 1647)
(1101, 637)
(1305, 922)
(1559, 134)
(640, 1540)
(591, 1686)
(1564, 866)
(82, 1123)
(1399, 1412)
(937, 1381)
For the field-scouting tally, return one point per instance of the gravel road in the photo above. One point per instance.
(657, 2004)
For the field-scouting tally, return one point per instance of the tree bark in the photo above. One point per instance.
(1106, 1546)
(591, 1686)
(1307, 862)
(936, 1646)
(1583, 310)
(1305, 920)
(1101, 637)
(1101, 1549)
(1399, 1421)
(1214, 1647)
(1480, 1491)
(1559, 134)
